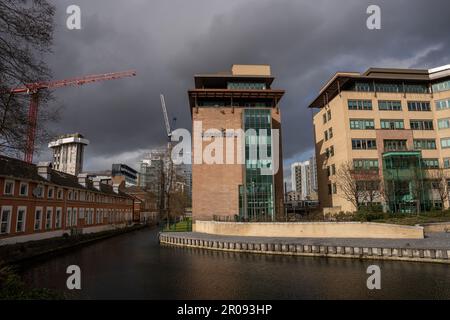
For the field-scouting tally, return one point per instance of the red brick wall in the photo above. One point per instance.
(120, 204)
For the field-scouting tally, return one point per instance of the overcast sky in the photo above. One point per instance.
(168, 41)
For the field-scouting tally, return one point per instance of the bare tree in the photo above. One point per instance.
(439, 180)
(358, 185)
(26, 29)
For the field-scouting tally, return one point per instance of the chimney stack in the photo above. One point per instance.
(97, 181)
(83, 179)
(43, 169)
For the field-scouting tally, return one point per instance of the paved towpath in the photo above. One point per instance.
(432, 241)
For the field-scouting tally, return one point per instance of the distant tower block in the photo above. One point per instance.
(68, 152)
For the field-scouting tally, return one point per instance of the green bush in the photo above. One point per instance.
(12, 288)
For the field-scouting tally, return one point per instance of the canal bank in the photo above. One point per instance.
(435, 248)
(136, 266)
(29, 252)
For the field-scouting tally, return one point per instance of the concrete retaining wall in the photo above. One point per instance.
(379, 253)
(436, 227)
(311, 229)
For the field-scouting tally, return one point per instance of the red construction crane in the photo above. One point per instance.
(34, 88)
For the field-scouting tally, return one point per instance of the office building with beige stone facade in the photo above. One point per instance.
(394, 123)
(240, 99)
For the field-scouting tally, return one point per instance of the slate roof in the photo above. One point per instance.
(18, 169)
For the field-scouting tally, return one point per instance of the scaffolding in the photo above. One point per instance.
(405, 188)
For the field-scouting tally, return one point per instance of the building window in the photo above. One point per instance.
(421, 124)
(58, 221)
(328, 115)
(445, 143)
(419, 106)
(69, 195)
(364, 144)
(8, 189)
(444, 123)
(362, 124)
(39, 191)
(50, 192)
(325, 133)
(82, 196)
(333, 188)
(329, 152)
(441, 86)
(5, 219)
(446, 163)
(74, 217)
(23, 189)
(60, 194)
(75, 194)
(97, 216)
(424, 144)
(431, 163)
(38, 218)
(69, 217)
(48, 218)
(21, 219)
(324, 118)
(333, 169)
(359, 104)
(392, 124)
(330, 133)
(365, 163)
(442, 104)
(394, 145)
(387, 105)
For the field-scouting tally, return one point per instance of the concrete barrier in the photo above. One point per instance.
(311, 229)
(355, 252)
(436, 227)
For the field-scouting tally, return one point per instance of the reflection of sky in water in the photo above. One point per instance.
(135, 266)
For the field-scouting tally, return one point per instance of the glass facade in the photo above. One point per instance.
(385, 105)
(424, 144)
(419, 106)
(390, 87)
(404, 184)
(421, 124)
(443, 104)
(359, 105)
(246, 86)
(257, 196)
(363, 124)
(365, 163)
(392, 124)
(441, 86)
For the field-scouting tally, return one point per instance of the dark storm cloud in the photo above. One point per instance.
(169, 41)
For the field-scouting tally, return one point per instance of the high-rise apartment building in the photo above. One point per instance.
(393, 122)
(68, 153)
(304, 178)
(240, 100)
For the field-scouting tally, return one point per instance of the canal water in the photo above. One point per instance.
(135, 266)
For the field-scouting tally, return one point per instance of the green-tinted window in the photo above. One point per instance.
(258, 192)
(445, 143)
(446, 163)
(363, 124)
(365, 163)
(394, 145)
(430, 163)
(364, 144)
(387, 105)
(392, 124)
(443, 104)
(444, 123)
(246, 86)
(441, 86)
(359, 104)
(419, 106)
(424, 144)
(421, 124)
